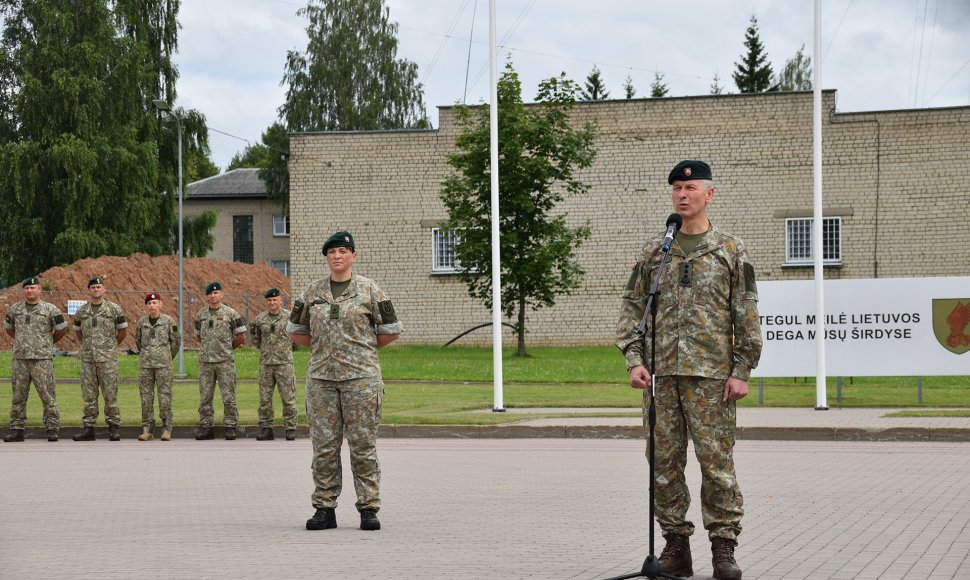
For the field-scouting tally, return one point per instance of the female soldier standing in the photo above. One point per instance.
(344, 319)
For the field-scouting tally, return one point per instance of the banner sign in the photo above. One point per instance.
(873, 327)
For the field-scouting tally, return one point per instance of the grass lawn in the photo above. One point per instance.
(434, 385)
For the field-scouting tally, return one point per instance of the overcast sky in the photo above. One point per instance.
(878, 54)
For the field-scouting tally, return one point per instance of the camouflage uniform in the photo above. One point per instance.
(275, 367)
(344, 389)
(216, 329)
(707, 330)
(33, 352)
(157, 345)
(99, 359)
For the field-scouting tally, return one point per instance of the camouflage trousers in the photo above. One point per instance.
(352, 407)
(103, 376)
(225, 374)
(282, 377)
(693, 405)
(41, 372)
(148, 381)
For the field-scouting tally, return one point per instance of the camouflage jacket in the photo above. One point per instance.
(157, 343)
(216, 328)
(707, 311)
(270, 337)
(99, 331)
(34, 331)
(344, 329)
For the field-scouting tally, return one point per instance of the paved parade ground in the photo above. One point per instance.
(542, 508)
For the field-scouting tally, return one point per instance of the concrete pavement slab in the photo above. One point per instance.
(547, 508)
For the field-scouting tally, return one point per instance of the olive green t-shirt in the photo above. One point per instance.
(689, 242)
(337, 288)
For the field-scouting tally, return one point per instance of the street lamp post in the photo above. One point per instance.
(164, 107)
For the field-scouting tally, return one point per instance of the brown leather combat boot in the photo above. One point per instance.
(725, 566)
(675, 558)
(146, 434)
(166, 434)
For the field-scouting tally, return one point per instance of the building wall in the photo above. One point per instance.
(893, 176)
(266, 246)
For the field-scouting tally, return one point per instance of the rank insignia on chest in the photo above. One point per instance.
(94, 323)
(272, 327)
(334, 311)
(685, 271)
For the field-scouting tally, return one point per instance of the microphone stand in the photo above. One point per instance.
(651, 565)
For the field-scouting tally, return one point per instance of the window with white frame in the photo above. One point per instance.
(798, 241)
(282, 265)
(443, 258)
(281, 225)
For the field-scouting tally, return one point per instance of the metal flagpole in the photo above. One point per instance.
(499, 404)
(820, 396)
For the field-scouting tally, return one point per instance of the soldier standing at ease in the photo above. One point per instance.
(275, 365)
(100, 326)
(35, 326)
(157, 339)
(708, 340)
(344, 319)
(220, 330)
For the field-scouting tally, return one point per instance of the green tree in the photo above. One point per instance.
(628, 89)
(539, 153)
(253, 156)
(658, 88)
(595, 90)
(716, 88)
(753, 74)
(80, 159)
(197, 233)
(270, 156)
(797, 74)
(349, 78)
(199, 166)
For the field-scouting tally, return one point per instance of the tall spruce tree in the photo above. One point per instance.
(79, 168)
(594, 90)
(539, 153)
(753, 74)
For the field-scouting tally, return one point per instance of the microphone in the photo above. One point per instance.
(673, 226)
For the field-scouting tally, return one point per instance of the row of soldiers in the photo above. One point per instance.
(100, 325)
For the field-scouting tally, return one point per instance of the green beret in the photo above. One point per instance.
(271, 293)
(340, 239)
(95, 280)
(212, 287)
(32, 281)
(689, 169)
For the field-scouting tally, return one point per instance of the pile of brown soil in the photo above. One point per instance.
(129, 279)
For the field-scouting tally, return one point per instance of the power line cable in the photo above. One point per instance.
(468, 62)
(444, 39)
(837, 28)
(963, 66)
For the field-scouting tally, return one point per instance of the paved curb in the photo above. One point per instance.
(927, 434)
